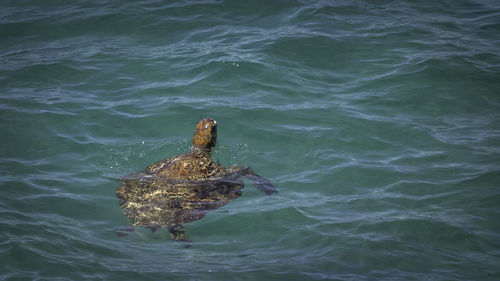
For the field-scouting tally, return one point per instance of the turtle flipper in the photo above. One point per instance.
(260, 183)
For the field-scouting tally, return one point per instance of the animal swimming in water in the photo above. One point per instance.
(184, 188)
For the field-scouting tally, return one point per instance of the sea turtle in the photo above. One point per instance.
(184, 188)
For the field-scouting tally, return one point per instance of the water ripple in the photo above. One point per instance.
(376, 121)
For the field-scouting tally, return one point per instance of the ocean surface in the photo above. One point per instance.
(378, 121)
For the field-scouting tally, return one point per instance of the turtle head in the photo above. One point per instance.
(205, 135)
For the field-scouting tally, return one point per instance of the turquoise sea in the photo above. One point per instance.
(378, 121)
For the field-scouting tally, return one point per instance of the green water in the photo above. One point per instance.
(378, 121)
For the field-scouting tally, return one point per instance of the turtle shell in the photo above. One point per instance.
(156, 202)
